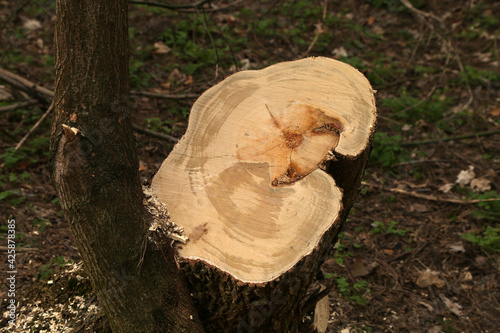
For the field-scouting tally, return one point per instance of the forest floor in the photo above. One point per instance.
(420, 251)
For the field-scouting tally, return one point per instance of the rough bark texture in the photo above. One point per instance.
(94, 170)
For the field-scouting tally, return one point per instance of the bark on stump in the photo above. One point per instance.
(261, 183)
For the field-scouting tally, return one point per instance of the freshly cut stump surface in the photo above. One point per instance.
(246, 180)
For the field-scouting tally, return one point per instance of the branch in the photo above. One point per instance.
(35, 90)
(165, 96)
(27, 86)
(155, 134)
(49, 110)
(450, 138)
(210, 10)
(319, 31)
(193, 8)
(19, 249)
(423, 16)
(16, 106)
(168, 5)
(428, 197)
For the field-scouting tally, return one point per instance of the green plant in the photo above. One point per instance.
(39, 7)
(301, 9)
(446, 325)
(410, 109)
(388, 228)
(488, 240)
(477, 77)
(158, 125)
(139, 75)
(353, 292)
(49, 268)
(196, 44)
(41, 224)
(488, 210)
(382, 70)
(424, 69)
(354, 62)
(12, 197)
(19, 235)
(343, 247)
(394, 5)
(36, 148)
(11, 157)
(387, 149)
(341, 251)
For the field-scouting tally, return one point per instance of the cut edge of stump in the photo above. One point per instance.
(185, 154)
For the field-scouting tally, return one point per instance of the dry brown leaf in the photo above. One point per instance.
(435, 329)
(428, 306)
(446, 187)
(358, 268)
(419, 208)
(480, 185)
(4, 94)
(176, 75)
(31, 24)
(161, 48)
(465, 176)
(39, 43)
(428, 278)
(456, 248)
(340, 52)
(481, 262)
(453, 307)
(142, 166)
(319, 28)
(495, 112)
(189, 80)
(329, 266)
(466, 276)
(322, 314)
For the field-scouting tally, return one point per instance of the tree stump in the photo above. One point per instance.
(261, 183)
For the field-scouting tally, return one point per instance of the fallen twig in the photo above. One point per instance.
(35, 90)
(318, 33)
(427, 98)
(429, 197)
(42, 118)
(423, 16)
(165, 96)
(168, 5)
(155, 134)
(18, 105)
(210, 10)
(450, 138)
(19, 249)
(27, 86)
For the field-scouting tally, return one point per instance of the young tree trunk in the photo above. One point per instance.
(94, 169)
(261, 182)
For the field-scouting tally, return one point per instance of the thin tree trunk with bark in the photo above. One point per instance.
(94, 169)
